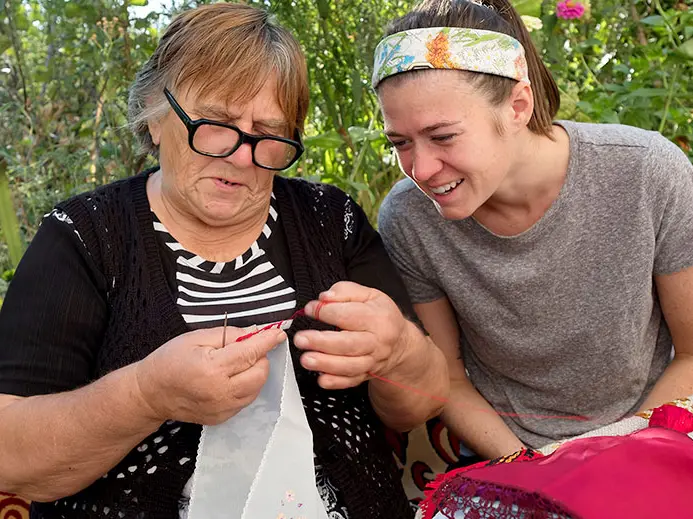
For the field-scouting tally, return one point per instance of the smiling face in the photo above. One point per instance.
(448, 139)
(218, 191)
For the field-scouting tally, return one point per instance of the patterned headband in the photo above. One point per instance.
(456, 48)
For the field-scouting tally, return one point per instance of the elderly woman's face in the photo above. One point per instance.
(218, 191)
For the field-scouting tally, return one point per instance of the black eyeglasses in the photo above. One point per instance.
(217, 139)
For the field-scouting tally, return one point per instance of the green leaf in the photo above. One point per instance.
(327, 141)
(73, 10)
(5, 43)
(648, 92)
(654, 20)
(139, 3)
(612, 87)
(324, 9)
(357, 186)
(528, 7)
(686, 49)
(688, 31)
(356, 88)
(358, 134)
(549, 21)
(585, 106)
(8, 218)
(21, 21)
(609, 116)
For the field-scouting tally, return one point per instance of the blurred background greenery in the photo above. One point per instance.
(65, 68)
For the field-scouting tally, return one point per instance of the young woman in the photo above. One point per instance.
(551, 260)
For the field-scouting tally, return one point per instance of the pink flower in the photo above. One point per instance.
(569, 9)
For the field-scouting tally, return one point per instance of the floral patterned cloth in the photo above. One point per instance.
(425, 452)
(621, 428)
(532, 490)
(13, 507)
(456, 48)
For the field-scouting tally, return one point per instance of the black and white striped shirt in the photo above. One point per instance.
(249, 287)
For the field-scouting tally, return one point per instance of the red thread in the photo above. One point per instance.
(318, 307)
(277, 325)
(412, 389)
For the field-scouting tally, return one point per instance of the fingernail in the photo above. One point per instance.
(300, 341)
(281, 336)
(308, 361)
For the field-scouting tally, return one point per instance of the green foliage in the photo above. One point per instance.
(8, 218)
(345, 145)
(65, 68)
(625, 62)
(5, 279)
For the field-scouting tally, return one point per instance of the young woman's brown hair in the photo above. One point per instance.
(498, 16)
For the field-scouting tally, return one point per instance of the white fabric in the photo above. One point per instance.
(620, 428)
(259, 464)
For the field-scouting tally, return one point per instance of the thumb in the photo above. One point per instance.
(240, 356)
(348, 292)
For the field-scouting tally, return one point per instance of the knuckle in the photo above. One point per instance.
(248, 356)
(340, 285)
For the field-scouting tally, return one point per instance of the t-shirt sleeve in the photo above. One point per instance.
(53, 318)
(672, 175)
(367, 260)
(402, 249)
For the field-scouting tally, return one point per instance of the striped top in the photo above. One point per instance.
(253, 291)
(249, 287)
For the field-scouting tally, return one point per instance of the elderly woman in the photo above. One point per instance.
(111, 349)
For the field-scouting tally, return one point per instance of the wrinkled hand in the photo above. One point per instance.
(372, 335)
(192, 378)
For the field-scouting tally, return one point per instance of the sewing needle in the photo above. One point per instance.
(223, 333)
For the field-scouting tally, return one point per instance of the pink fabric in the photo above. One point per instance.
(643, 475)
(672, 417)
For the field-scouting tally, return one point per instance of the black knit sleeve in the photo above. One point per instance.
(367, 260)
(53, 318)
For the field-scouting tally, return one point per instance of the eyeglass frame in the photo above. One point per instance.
(193, 125)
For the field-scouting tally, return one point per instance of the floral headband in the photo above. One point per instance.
(457, 48)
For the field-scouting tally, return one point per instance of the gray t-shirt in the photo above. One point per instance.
(564, 317)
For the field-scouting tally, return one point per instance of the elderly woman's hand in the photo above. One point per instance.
(372, 338)
(192, 378)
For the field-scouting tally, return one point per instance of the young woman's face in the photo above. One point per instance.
(447, 139)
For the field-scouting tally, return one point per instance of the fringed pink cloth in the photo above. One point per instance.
(646, 474)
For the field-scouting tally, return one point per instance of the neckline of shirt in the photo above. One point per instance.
(544, 223)
(199, 263)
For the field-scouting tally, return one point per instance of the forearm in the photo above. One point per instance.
(472, 419)
(423, 368)
(675, 382)
(55, 445)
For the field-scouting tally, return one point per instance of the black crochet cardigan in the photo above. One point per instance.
(115, 224)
